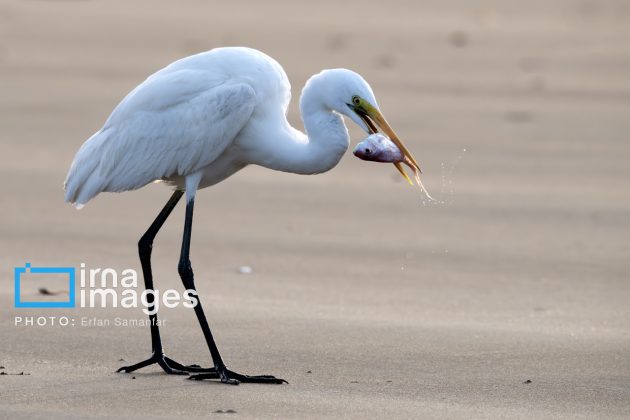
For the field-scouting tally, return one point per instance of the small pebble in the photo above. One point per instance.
(133, 377)
(46, 292)
(245, 269)
(308, 371)
(529, 381)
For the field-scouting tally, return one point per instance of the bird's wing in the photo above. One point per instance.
(173, 124)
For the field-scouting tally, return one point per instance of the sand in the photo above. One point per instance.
(509, 301)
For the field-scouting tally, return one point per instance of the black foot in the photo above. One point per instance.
(228, 377)
(169, 366)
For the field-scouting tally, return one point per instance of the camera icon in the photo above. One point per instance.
(40, 279)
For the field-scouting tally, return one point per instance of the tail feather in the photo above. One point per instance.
(84, 180)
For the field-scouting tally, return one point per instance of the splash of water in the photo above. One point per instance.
(447, 188)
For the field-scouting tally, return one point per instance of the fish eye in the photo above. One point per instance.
(356, 100)
(368, 151)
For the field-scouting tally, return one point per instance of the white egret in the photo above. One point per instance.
(198, 121)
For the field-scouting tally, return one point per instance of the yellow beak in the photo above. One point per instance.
(378, 118)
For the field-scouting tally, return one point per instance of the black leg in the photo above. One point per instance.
(145, 245)
(186, 273)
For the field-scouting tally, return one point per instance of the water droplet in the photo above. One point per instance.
(447, 184)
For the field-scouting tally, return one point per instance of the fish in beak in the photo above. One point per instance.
(374, 120)
(379, 148)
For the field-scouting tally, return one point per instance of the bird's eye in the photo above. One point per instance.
(368, 151)
(356, 100)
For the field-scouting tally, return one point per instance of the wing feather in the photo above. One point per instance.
(173, 124)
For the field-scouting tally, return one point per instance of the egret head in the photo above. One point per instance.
(346, 92)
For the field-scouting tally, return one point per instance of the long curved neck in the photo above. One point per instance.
(317, 151)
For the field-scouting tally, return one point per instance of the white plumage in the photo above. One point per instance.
(200, 120)
(204, 117)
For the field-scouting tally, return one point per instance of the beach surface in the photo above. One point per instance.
(510, 299)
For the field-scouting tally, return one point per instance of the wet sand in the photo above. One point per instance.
(371, 304)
